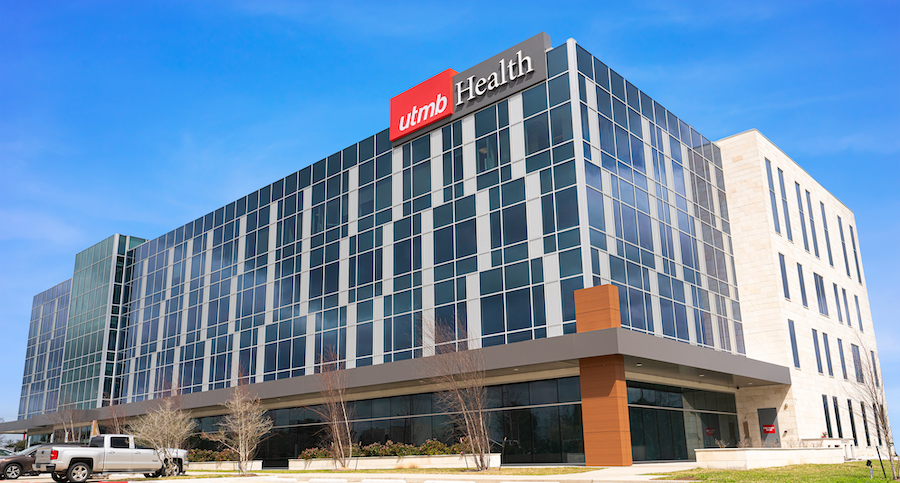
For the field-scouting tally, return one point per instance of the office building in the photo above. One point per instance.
(798, 258)
(540, 207)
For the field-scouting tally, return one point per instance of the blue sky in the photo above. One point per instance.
(136, 117)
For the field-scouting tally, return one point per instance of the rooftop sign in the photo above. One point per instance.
(451, 95)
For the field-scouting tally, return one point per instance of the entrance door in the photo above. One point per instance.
(768, 427)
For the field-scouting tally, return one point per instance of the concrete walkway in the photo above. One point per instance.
(635, 473)
(624, 474)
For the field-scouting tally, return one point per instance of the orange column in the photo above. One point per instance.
(597, 308)
(604, 397)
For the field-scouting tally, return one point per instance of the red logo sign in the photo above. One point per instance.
(710, 431)
(422, 105)
(769, 428)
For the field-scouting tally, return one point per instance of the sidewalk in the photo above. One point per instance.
(624, 474)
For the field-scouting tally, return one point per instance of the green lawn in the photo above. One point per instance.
(847, 472)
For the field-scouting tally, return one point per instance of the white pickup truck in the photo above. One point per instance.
(108, 453)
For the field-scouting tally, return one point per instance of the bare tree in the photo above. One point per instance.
(66, 420)
(335, 410)
(870, 392)
(165, 429)
(458, 371)
(243, 427)
(116, 420)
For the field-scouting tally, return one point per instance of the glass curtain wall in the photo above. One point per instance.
(669, 423)
(530, 422)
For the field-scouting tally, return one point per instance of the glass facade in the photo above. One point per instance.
(529, 422)
(354, 257)
(97, 295)
(669, 423)
(671, 252)
(43, 355)
(486, 225)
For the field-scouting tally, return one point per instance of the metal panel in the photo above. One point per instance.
(768, 427)
(534, 49)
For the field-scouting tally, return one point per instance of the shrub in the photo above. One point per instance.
(390, 448)
(434, 447)
(401, 449)
(312, 453)
(374, 449)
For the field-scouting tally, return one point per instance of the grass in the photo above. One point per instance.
(514, 471)
(847, 472)
(186, 477)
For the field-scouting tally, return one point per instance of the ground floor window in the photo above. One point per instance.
(530, 422)
(669, 423)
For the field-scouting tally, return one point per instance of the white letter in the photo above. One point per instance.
(413, 119)
(492, 82)
(426, 112)
(525, 59)
(479, 86)
(407, 117)
(441, 103)
(460, 90)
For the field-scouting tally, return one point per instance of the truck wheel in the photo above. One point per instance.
(79, 472)
(12, 471)
(58, 477)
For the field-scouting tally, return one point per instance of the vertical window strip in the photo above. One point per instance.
(865, 420)
(820, 294)
(841, 355)
(827, 416)
(837, 304)
(827, 354)
(818, 354)
(802, 219)
(827, 239)
(843, 245)
(875, 369)
(857, 363)
(784, 206)
(794, 344)
(837, 417)
(802, 285)
(784, 280)
(858, 312)
(855, 257)
(852, 421)
(846, 307)
(772, 197)
(875, 415)
(812, 225)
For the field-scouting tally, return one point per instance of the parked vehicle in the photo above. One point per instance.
(108, 453)
(15, 465)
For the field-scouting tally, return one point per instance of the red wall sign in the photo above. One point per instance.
(422, 105)
(769, 428)
(710, 431)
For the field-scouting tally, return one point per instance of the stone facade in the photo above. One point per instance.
(766, 308)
